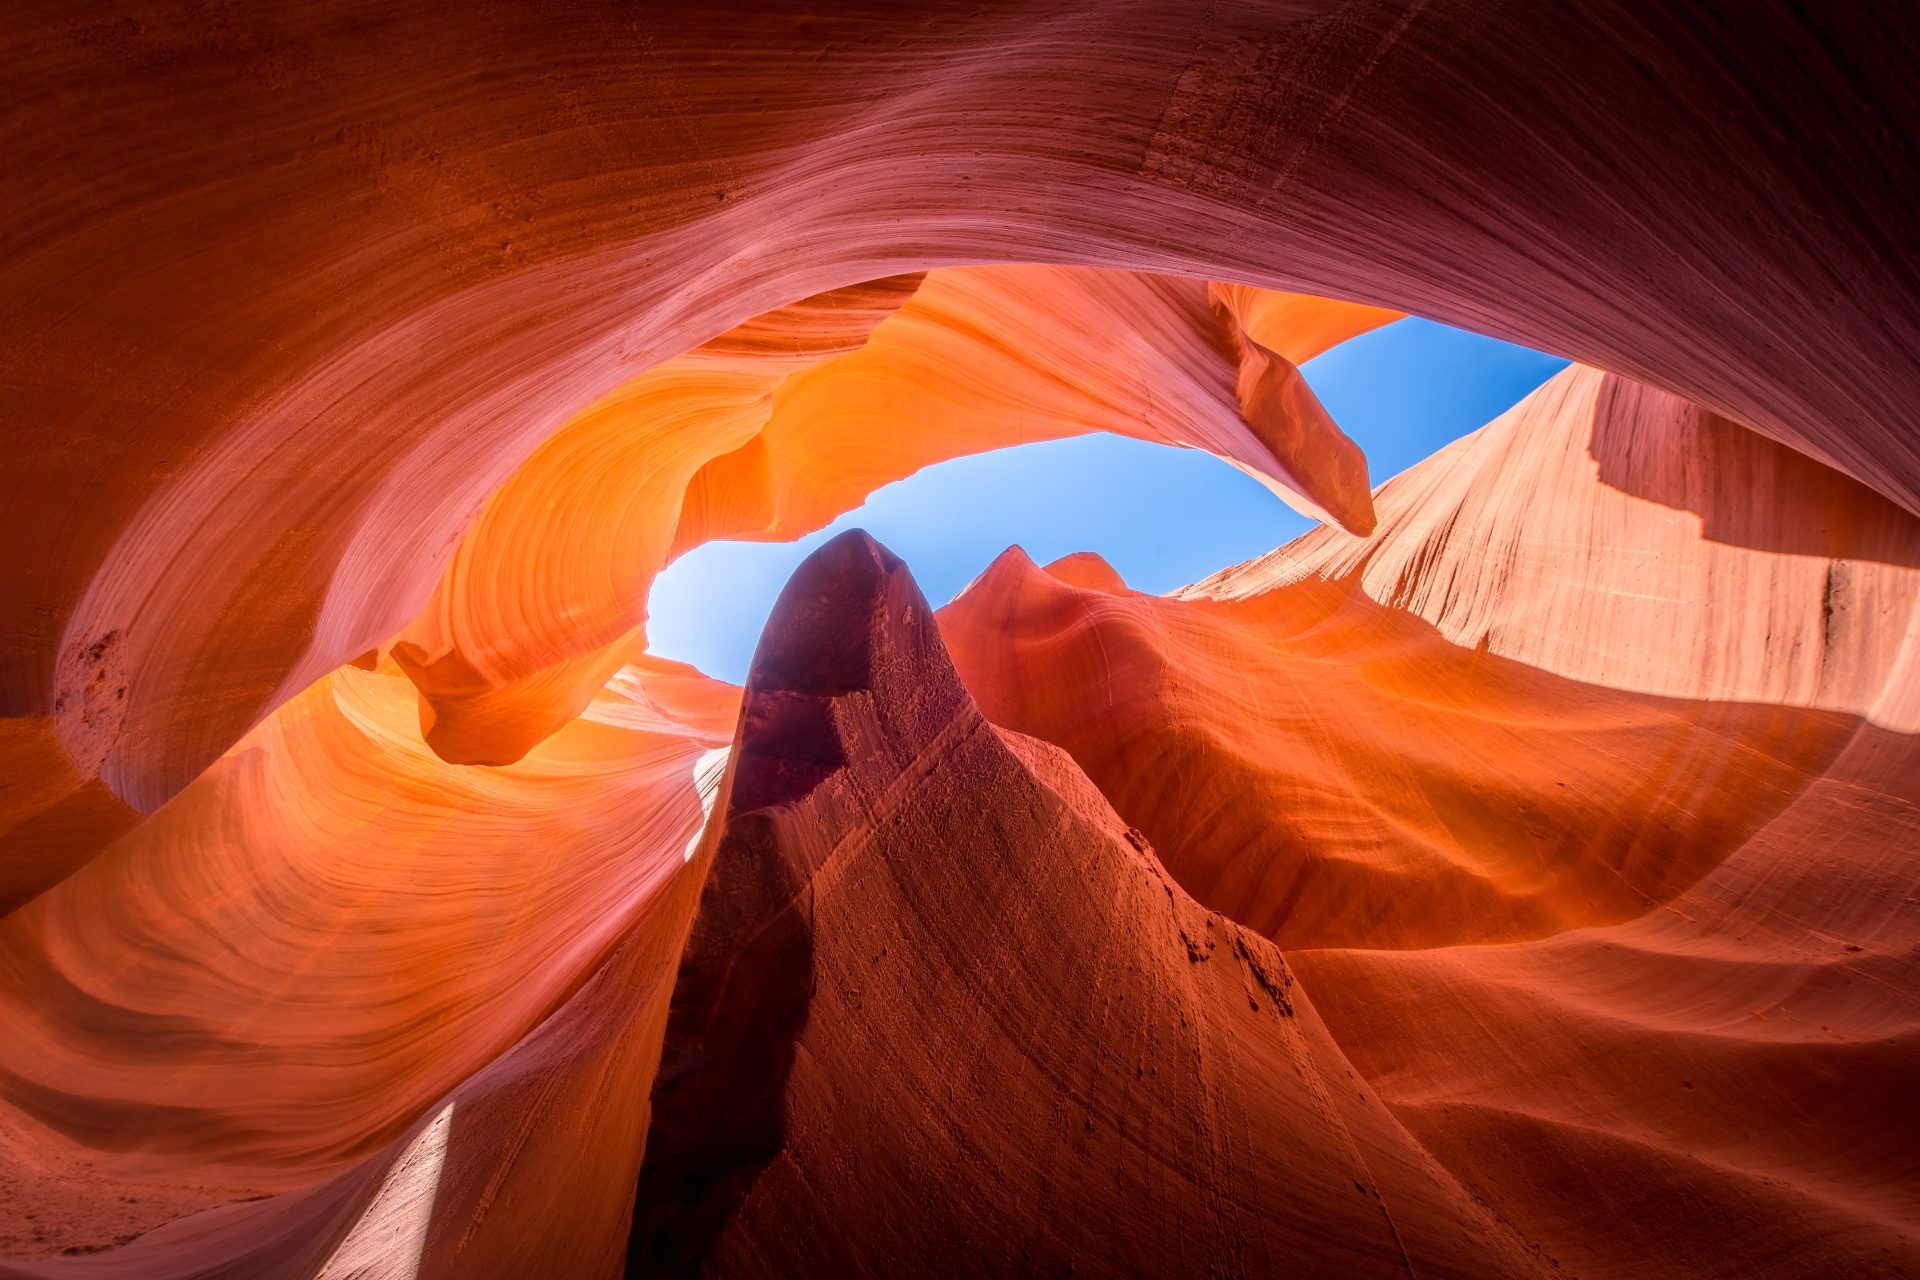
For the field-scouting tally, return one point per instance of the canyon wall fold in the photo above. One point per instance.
(1525, 715)
(273, 346)
(776, 427)
(1515, 875)
(942, 1012)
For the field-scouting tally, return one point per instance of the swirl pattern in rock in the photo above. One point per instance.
(361, 908)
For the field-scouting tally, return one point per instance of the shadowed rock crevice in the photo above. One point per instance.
(739, 1004)
(741, 1000)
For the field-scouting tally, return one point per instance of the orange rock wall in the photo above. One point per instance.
(364, 363)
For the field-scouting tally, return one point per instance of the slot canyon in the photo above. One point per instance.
(1515, 875)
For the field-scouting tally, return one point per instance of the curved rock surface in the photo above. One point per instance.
(1699, 853)
(774, 428)
(1513, 876)
(942, 1012)
(1462, 730)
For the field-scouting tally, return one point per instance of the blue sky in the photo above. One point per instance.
(1162, 516)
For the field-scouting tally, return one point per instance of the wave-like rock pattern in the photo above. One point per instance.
(776, 427)
(329, 931)
(371, 905)
(867, 1072)
(273, 345)
(1464, 730)
(1692, 1055)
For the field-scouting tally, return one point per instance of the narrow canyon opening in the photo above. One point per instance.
(1388, 802)
(1162, 517)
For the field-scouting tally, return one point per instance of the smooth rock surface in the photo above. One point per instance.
(371, 906)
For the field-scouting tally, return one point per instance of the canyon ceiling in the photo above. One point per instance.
(1517, 875)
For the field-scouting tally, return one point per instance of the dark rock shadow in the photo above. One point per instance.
(1748, 490)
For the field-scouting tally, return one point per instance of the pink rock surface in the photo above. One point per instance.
(357, 876)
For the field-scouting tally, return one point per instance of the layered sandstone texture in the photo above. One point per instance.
(1517, 875)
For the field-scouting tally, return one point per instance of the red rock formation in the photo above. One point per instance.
(273, 344)
(1698, 851)
(942, 1013)
(363, 364)
(776, 427)
(1460, 731)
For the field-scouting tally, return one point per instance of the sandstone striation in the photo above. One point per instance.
(1515, 875)
(941, 1012)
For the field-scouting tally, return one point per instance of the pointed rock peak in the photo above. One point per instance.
(1009, 566)
(1089, 571)
(860, 983)
(850, 626)
(850, 618)
(1013, 585)
(850, 681)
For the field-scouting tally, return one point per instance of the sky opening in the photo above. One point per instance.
(1161, 516)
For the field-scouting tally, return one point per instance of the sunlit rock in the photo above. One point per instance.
(1513, 876)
